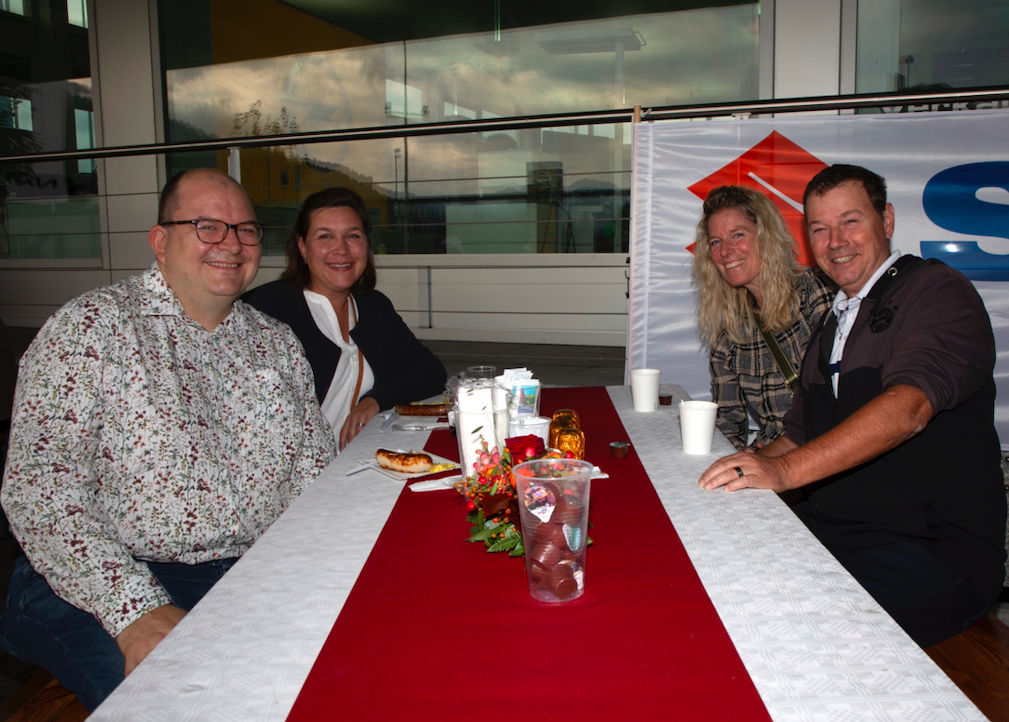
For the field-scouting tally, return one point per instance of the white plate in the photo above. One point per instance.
(403, 476)
(419, 426)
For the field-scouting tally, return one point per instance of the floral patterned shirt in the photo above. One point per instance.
(138, 435)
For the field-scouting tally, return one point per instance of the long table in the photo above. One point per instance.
(814, 644)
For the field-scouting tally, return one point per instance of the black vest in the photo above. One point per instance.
(861, 385)
(941, 488)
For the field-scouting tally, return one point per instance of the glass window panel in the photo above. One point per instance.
(15, 113)
(931, 44)
(33, 116)
(64, 227)
(612, 63)
(404, 101)
(49, 210)
(538, 210)
(23, 115)
(15, 67)
(563, 189)
(515, 229)
(77, 13)
(457, 112)
(567, 199)
(13, 6)
(324, 91)
(562, 67)
(84, 122)
(278, 179)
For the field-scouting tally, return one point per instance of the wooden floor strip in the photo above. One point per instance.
(978, 662)
(42, 699)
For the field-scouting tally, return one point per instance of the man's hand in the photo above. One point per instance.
(359, 417)
(138, 639)
(887, 421)
(761, 470)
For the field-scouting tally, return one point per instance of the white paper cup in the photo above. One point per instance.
(481, 416)
(697, 426)
(645, 389)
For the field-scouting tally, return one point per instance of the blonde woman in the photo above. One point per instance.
(747, 276)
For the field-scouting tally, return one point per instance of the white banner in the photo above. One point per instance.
(948, 180)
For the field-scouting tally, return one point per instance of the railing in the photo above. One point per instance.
(624, 115)
(568, 297)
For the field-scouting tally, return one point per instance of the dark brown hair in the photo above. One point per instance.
(297, 271)
(830, 178)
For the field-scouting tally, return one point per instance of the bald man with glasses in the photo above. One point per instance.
(160, 427)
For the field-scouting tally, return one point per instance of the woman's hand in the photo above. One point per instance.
(359, 417)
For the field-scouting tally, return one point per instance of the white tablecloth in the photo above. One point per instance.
(816, 645)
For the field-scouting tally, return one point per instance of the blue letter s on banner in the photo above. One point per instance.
(950, 201)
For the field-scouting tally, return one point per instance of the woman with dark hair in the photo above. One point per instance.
(752, 295)
(364, 357)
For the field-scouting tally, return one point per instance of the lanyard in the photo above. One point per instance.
(360, 358)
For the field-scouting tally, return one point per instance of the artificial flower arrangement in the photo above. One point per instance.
(490, 492)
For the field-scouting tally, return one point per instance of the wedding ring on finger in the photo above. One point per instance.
(739, 471)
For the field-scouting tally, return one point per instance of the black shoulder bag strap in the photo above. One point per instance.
(791, 379)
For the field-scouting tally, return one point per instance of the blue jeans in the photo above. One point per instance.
(71, 645)
(927, 597)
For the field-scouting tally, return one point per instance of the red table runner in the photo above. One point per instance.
(439, 629)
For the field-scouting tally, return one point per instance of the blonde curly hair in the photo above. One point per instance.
(723, 307)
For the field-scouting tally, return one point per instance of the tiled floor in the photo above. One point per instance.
(552, 365)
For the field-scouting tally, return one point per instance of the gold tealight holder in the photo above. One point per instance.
(573, 440)
(562, 419)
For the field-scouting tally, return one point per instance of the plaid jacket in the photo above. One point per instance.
(746, 375)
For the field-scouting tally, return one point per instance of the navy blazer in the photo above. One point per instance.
(405, 369)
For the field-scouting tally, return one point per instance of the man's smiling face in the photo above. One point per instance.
(207, 277)
(849, 238)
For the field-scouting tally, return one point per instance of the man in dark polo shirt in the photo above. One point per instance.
(891, 430)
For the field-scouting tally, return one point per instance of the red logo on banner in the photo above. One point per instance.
(780, 170)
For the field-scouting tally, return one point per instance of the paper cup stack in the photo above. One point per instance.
(481, 416)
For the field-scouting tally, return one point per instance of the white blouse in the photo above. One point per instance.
(337, 404)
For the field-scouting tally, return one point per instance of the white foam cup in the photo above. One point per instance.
(645, 389)
(697, 426)
(526, 425)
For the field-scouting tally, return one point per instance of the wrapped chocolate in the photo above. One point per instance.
(571, 440)
(562, 419)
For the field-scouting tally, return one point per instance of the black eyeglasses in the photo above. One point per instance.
(211, 230)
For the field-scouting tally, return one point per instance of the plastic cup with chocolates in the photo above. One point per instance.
(553, 496)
